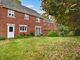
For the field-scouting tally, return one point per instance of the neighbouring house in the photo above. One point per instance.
(49, 25)
(16, 19)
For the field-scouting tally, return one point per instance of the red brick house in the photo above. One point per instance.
(16, 19)
(49, 26)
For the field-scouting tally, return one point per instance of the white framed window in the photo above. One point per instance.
(26, 17)
(23, 28)
(11, 13)
(38, 20)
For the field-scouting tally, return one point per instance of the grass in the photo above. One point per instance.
(40, 48)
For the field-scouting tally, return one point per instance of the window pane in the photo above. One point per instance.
(20, 28)
(9, 14)
(10, 29)
(25, 28)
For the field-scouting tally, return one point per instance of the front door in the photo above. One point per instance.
(10, 31)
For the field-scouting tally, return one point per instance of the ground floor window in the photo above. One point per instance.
(23, 28)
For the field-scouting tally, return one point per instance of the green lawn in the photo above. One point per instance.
(40, 48)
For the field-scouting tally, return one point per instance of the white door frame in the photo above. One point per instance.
(35, 30)
(10, 34)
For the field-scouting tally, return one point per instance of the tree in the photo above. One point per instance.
(18, 1)
(45, 16)
(66, 12)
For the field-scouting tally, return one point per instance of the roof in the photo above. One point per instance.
(11, 4)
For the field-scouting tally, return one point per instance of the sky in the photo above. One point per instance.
(33, 4)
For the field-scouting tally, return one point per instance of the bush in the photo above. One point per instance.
(31, 34)
(64, 33)
(2, 38)
(71, 33)
(67, 33)
(25, 35)
(22, 36)
(77, 32)
(52, 34)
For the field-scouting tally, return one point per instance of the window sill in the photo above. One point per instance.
(11, 16)
(23, 31)
(37, 22)
(26, 19)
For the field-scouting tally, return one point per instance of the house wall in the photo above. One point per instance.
(19, 20)
(48, 27)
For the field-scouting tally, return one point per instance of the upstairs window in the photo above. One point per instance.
(26, 17)
(11, 13)
(38, 20)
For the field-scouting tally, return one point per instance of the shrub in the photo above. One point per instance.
(71, 33)
(64, 33)
(77, 32)
(31, 34)
(67, 33)
(2, 38)
(23, 35)
(52, 34)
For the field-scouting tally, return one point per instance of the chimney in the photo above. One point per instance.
(49, 16)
